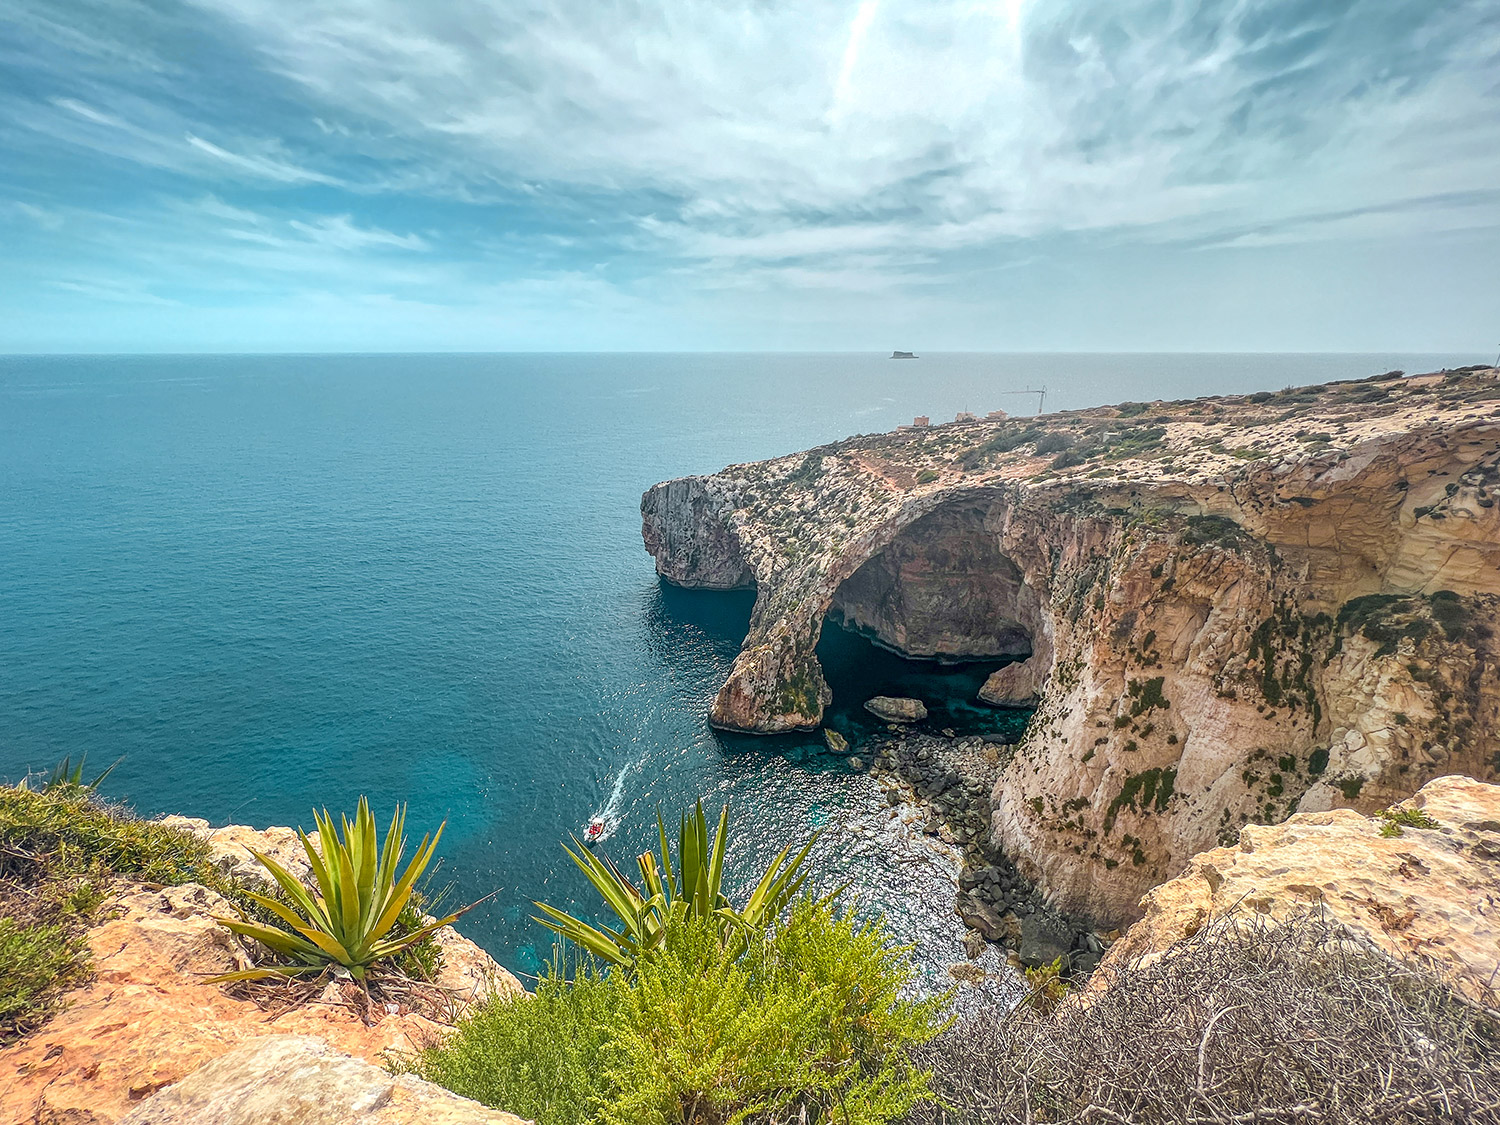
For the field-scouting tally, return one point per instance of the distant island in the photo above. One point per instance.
(903, 355)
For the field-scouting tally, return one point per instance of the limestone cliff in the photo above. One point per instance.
(1430, 893)
(1236, 607)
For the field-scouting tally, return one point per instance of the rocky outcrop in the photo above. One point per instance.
(894, 709)
(1015, 685)
(1239, 606)
(147, 1018)
(684, 523)
(233, 844)
(1432, 894)
(298, 1079)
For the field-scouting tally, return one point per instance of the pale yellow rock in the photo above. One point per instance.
(232, 845)
(1432, 894)
(300, 1080)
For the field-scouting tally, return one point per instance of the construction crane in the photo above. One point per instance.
(1040, 392)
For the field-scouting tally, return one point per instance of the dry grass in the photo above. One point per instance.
(1246, 1022)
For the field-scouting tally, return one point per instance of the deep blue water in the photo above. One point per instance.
(267, 582)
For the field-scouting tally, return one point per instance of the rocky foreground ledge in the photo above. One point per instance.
(147, 1021)
(148, 1043)
(1229, 609)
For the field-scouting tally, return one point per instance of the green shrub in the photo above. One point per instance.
(1054, 441)
(62, 847)
(1214, 531)
(1393, 820)
(537, 1056)
(77, 832)
(1047, 986)
(806, 1020)
(65, 775)
(693, 889)
(37, 963)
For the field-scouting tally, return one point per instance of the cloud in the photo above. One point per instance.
(113, 291)
(340, 231)
(88, 113)
(742, 120)
(261, 166)
(686, 147)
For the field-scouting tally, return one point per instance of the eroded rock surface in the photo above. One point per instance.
(1237, 606)
(300, 1080)
(148, 1018)
(895, 709)
(1015, 685)
(1428, 893)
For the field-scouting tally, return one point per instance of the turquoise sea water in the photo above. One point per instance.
(272, 581)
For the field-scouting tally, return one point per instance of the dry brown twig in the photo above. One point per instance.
(1248, 1022)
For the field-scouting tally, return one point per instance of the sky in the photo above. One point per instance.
(476, 175)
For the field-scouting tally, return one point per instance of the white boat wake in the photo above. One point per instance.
(609, 815)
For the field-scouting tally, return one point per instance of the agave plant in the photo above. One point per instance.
(693, 890)
(359, 897)
(65, 775)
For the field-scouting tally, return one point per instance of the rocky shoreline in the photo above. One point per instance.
(949, 779)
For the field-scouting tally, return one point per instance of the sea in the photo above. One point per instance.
(264, 584)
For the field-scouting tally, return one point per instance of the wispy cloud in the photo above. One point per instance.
(261, 166)
(340, 231)
(874, 147)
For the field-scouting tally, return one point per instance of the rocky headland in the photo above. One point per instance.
(1225, 610)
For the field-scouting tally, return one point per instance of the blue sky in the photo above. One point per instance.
(248, 175)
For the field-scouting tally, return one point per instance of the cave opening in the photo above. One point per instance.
(858, 669)
(930, 616)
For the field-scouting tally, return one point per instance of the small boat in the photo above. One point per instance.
(595, 831)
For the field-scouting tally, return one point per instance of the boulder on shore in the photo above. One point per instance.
(1044, 939)
(1015, 685)
(895, 709)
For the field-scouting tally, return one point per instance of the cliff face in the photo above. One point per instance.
(1237, 607)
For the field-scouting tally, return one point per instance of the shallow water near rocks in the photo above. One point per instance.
(269, 582)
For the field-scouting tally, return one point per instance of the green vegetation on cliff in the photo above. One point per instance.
(697, 1011)
(806, 1023)
(64, 850)
(61, 849)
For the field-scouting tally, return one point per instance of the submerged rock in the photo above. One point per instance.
(895, 709)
